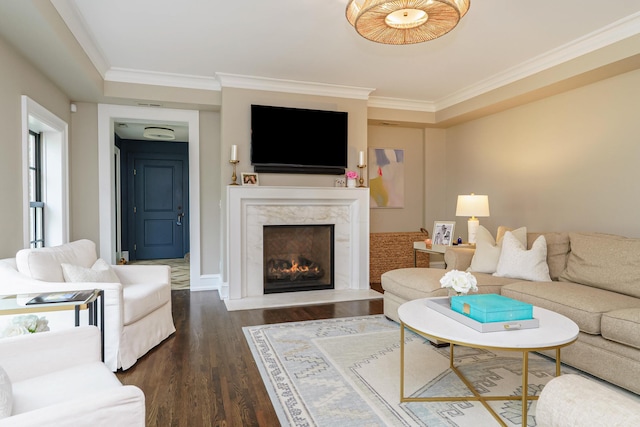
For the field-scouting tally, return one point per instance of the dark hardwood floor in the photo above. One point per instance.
(204, 374)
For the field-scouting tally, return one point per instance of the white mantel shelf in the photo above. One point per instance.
(249, 208)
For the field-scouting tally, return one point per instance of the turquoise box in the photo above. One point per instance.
(487, 308)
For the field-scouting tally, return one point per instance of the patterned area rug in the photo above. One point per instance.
(345, 372)
(179, 270)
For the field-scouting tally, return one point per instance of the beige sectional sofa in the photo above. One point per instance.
(595, 281)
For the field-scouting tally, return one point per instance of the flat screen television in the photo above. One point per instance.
(295, 140)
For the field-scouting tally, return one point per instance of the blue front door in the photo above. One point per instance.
(159, 209)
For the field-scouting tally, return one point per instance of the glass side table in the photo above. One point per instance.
(59, 301)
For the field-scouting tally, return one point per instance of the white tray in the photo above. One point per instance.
(442, 305)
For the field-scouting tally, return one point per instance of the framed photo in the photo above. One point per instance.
(443, 232)
(249, 178)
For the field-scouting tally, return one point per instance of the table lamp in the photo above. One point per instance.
(472, 205)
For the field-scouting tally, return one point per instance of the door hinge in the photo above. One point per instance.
(135, 247)
(135, 209)
(135, 172)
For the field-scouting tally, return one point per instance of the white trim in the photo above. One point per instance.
(603, 37)
(68, 11)
(143, 77)
(401, 104)
(207, 282)
(292, 86)
(117, 183)
(107, 114)
(56, 171)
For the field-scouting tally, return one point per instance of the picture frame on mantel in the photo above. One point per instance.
(443, 232)
(249, 178)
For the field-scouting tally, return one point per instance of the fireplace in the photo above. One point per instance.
(251, 208)
(298, 257)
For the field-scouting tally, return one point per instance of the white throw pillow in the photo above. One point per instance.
(517, 262)
(485, 258)
(99, 272)
(6, 394)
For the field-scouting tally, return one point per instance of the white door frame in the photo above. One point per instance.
(107, 115)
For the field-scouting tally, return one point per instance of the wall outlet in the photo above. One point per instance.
(340, 182)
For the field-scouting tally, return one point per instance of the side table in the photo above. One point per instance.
(422, 247)
(17, 304)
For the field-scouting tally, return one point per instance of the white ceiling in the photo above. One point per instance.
(311, 41)
(196, 43)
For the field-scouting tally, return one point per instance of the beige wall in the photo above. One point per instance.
(568, 162)
(17, 78)
(236, 130)
(83, 173)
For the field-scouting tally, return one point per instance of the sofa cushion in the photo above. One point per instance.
(604, 261)
(519, 263)
(45, 263)
(100, 271)
(414, 283)
(61, 386)
(485, 259)
(142, 299)
(582, 304)
(6, 394)
(622, 326)
(557, 250)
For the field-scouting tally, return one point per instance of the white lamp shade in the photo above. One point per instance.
(472, 205)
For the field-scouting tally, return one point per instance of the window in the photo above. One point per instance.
(36, 205)
(45, 176)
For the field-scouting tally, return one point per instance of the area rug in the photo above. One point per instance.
(180, 278)
(345, 372)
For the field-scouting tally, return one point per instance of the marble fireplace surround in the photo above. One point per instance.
(250, 208)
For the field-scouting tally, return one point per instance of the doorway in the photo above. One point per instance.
(108, 115)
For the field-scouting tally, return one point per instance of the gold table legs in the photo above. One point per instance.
(477, 397)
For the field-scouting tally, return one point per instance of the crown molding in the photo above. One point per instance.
(401, 104)
(606, 36)
(123, 75)
(74, 20)
(292, 86)
(624, 28)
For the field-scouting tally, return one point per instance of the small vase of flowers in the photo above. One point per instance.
(459, 282)
(27, 324)
(351, 179)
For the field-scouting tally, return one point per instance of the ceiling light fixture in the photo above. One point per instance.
(164, 134)
(405, 21)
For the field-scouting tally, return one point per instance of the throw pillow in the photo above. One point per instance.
(517, 262)
(604, 261)
(99, 272)
(487, 253)
(6, 394)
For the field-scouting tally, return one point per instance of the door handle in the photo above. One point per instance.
(179, 221)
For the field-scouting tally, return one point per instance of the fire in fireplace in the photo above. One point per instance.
(298, 257)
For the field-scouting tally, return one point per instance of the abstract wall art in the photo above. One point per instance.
(386, 177)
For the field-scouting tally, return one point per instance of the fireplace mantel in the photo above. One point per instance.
(249, 208)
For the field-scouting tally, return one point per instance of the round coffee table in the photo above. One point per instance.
(554, 332)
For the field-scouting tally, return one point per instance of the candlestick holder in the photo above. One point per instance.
(361, 181)
(234, 176)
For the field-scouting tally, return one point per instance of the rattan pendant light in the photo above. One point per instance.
(405, 21)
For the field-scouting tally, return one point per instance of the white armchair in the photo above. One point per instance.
(57, 378)
(137, 306)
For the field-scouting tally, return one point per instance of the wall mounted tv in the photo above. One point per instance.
(295, 140)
